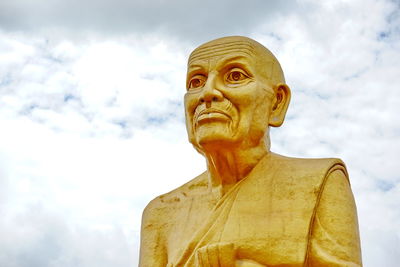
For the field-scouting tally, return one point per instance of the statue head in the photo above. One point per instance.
(235, 91)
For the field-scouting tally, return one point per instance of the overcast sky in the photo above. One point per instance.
(92, 124)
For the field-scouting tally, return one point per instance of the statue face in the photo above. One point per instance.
(228, 99)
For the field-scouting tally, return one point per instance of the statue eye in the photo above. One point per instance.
(236, 76)
(197, 81)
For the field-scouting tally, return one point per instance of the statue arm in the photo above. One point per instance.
(152, 249)
(335, 239)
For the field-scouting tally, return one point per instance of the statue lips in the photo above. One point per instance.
(210, 115)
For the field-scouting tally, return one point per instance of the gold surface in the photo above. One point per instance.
(251, 207)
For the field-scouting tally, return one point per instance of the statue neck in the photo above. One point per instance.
(228, 165)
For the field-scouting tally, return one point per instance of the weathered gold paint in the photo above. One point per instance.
(251, 207)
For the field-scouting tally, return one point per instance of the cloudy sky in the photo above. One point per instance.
(92, 124)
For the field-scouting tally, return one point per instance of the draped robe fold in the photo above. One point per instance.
(268, 215)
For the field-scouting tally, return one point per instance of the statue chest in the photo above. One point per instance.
(268, 223)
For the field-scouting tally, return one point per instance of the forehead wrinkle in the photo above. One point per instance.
(227, 42)
(202, 50)
(220, 60)
(222, 45)
(221, 49)
(221, 53)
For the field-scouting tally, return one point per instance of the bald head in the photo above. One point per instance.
(265, 62)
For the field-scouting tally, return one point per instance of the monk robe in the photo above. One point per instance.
(286, 212)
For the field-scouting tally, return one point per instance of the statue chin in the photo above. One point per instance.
(215, 133)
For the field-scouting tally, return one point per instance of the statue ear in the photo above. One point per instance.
(280, 104)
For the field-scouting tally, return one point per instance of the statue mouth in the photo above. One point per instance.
(210, 115)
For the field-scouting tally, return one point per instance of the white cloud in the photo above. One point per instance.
(176, 19)
(39, 238)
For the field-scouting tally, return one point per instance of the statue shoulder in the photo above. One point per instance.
(312, 164)
(308, 168)
(193, 187)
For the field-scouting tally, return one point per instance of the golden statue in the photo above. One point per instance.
(251, 207)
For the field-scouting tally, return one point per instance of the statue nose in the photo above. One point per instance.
(210, 92)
